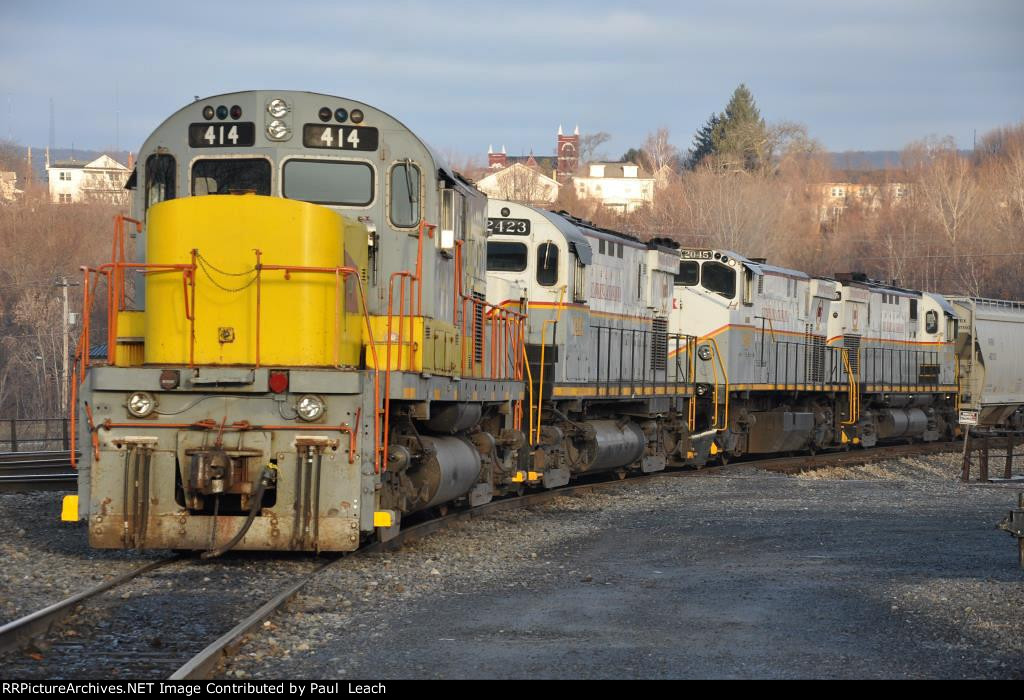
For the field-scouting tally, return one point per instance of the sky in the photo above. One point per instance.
(863, 75)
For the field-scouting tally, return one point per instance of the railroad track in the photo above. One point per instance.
(36, 471)
(137, 657)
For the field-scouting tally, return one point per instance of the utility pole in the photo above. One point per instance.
(65, 357)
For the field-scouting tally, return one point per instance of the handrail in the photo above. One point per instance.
(543, 347)
(507, 326)
(113, 273)
(725, 378)
(691, 418)
(853, 389)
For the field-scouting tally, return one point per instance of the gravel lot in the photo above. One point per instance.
(885, 570)
(900, 575)
(45, 560)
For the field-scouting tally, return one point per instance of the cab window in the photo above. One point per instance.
(719, 278)
(342, 183)
(231, 176)
(506, 257)
(160, 178)
(931, 322)
(547, 264)
(405, 195)
(689, 273)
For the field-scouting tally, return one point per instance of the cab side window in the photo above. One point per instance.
(547, 264)
(405, 195)
(160, 178)
(719, 278)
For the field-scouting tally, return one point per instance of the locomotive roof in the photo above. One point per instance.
(760, 267)
(572, 234)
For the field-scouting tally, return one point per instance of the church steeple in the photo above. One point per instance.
(567, 149)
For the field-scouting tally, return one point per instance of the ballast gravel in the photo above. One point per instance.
(888, 570)
(896, 573)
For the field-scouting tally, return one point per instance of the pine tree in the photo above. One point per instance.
(740, 138)
(737, 137)
(703, 142)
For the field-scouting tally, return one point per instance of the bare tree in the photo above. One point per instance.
(945, 188)
(589, 143)
(660, 152)
(521, 183)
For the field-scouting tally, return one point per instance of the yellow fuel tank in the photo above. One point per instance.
(303, 320)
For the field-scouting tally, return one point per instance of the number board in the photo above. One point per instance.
(697, 254)
(217, 135)
(514, 227)
(345, 138)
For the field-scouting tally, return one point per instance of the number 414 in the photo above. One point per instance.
(328, 138)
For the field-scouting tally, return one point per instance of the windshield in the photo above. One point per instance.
(506, 257)
(231, 176)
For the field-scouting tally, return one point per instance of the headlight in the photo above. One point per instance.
(141, 404)
(704, 352)
(277, 108)
(702, 389)
(277, 129)
(309, 407)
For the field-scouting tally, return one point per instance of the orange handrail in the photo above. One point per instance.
(507, 327)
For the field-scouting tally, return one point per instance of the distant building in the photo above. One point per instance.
(559, 166)
(9, 186)
(79, 181)
(623, 187)
(520, 182)
(865, 192)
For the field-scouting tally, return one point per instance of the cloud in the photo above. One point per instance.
(872, 74)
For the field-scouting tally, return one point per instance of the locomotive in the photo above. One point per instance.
(299, 350)
(314, 328)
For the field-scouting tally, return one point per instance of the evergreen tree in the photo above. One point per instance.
(740, 139)
(637, 156)
(737, 137)
(703, 142)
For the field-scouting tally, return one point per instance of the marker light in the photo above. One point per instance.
(325, 114)
(356, 115)
(222, 112)
(278, 381)
(309, 407)
(340, 114)
(141, 404)
(170, 379)
(236, 112)
(277, 108)
(207, 112)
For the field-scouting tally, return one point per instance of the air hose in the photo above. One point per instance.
(267, 477)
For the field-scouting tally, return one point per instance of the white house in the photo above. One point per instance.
(621, 186)
(9, 186)
(520, 183)
(78, 181)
